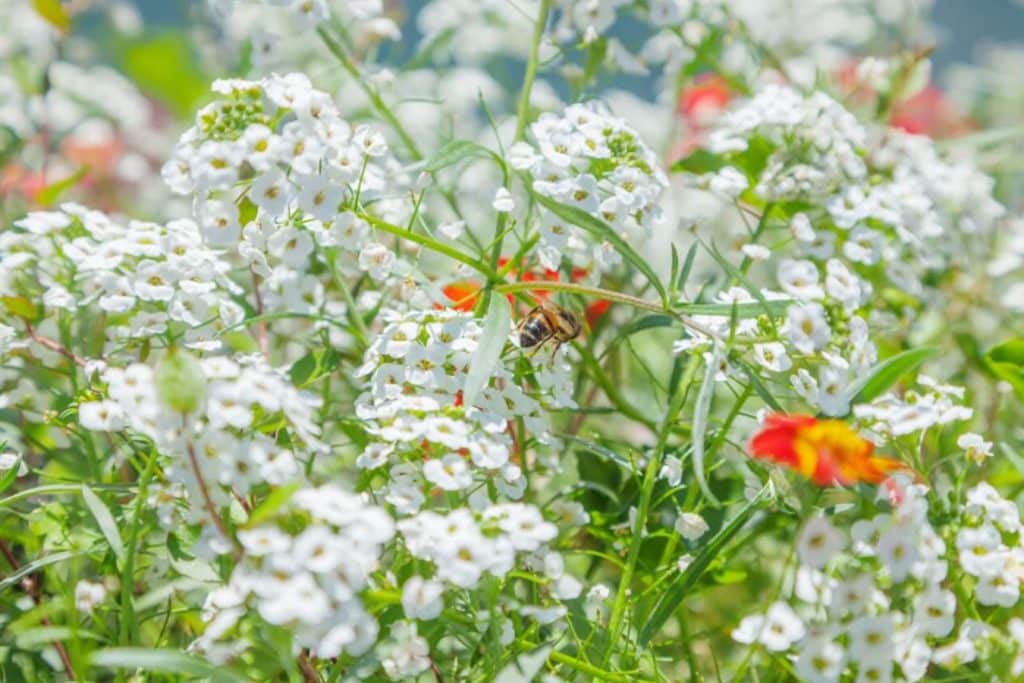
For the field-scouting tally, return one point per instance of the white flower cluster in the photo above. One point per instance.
(222, 438)
(464, 545)
(420, 428)
(307, 574)
(876, 600)
(145, 276)
(270, 166)
(931, 404)
(892, 200)
(981, 541)
(817, 142)
(589, 159)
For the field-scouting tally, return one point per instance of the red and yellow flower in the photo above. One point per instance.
(829, 452)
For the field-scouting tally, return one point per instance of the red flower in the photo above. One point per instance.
(828, 452)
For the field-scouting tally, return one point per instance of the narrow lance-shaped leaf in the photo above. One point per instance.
(602, 230)
(455, 151)
(680, 587)
(1006, 361)
(700, 422)
(492, 341)
(884, 375)
(105, 521)
(166, 661)
(7, 477)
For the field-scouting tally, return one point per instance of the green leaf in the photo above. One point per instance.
(180, 381)
(8, 477)
(277, 499)
(750, 309)
(684, 274)
(700, 422)
(602, 230)
(34, 566)
(1006, 361)
(738, 275)
(53, 12)
(105, 520)
(601, 450)
(313, 366)
(165, 661)
(881, 377)
(647, 322)
(492, 342)
(165, 67)
(455, 151)
(49, 194)
(44, 635)
(680, 587)
(699, 161)
(760, 388)
(20, 307)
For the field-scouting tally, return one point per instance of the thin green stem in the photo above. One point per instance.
(523, 111)
(361, 333)
(433, 245)
(589, 669)
(618, 614)
(381, 108)
(128, 630)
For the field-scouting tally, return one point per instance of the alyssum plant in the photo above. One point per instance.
(531, 383)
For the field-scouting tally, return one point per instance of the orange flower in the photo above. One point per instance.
(828, 452)
(463, 293)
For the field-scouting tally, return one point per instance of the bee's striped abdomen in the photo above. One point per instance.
(534, 331)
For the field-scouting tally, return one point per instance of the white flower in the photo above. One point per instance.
(756, 252)
(101, 416)
(777, 630)
(897, 549)
(808, 328)
(671, 470)
(89, 594)
(818, 542)
(820, 660)
(9, 460)
(997, 589)
(422, 598)
(800, 279)
(980, 550)
(935, 611)
(772, 356)
(595, 602)
(976, 449)
(871, 639)
(450, 473)
(728, 181)
(691, 526)
(503, 201)
(405, 654)
(377, 260)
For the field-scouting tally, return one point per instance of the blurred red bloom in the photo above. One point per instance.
(829, 452)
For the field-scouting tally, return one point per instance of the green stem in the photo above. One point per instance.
(433, 245)
(646, 492)
(361, 333)
(590, 669)
(128, 630)
(523, 110)
(375, 99)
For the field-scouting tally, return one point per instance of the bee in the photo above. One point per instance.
(546, 322)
